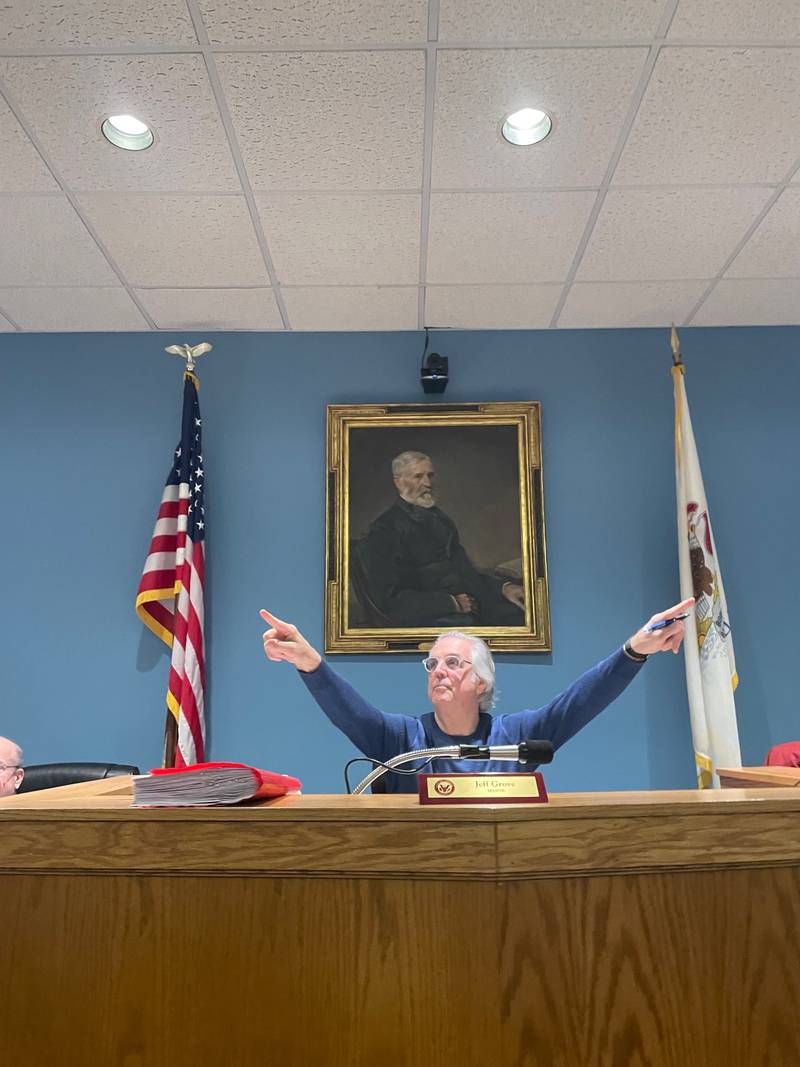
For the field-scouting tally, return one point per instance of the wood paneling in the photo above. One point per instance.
(619, 931)
(396, 836)
(217, 971)
(180, 845)
(649, 842)
(661, 969)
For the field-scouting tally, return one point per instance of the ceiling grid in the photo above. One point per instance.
(340, 166)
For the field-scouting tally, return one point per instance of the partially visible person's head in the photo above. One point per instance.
(413, 475)
(11, 772)
(474, 679)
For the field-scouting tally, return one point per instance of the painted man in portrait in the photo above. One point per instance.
(416, 569)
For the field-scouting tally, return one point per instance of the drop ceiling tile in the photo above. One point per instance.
(308, 21)
(504, 237)
(716, 115)
(343, 239)
(22, 169)
(601, 304)
(212, 309)
(491, 307)
(165, 241)
(752, 302)
(774, 249)
(75, 23)
(647, 234)
(44, 242)
(71, 308)
(5, 325)
(328, 120)
(367, 307)
(586, 91)
(66, 98)
(547, 20)
(739, 20)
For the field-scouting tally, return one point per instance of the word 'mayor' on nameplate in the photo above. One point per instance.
(482, 789)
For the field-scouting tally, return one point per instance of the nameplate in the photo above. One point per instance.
(525, 788)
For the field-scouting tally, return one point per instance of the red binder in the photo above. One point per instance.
(210, 783)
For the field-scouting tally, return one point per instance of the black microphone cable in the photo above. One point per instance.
(379, 763)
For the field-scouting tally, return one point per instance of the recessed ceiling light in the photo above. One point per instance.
(527, 126)
(125, 131)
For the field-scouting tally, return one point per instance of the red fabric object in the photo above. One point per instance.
(785, 755)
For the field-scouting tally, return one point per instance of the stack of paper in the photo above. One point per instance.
(209, 783)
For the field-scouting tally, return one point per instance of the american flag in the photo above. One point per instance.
(170, 596)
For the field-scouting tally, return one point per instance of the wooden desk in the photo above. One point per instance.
(758, 777)
(601, 929)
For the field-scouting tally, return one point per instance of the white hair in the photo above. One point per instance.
(401, 461)
(482, 665)
(17, 749)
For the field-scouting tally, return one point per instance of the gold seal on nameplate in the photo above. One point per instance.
(482, 788)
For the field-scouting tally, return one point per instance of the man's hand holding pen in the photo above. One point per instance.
(663, 632)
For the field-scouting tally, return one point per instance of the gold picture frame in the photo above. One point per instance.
(394, 567)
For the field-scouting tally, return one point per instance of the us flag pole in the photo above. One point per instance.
(169, 600)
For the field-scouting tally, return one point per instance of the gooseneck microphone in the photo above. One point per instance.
(525, 752)
(532, 751)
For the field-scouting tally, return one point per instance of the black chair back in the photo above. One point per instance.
(49, 775)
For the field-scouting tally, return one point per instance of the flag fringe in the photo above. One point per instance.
(155, 627)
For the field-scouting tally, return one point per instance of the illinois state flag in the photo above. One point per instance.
(708, 649)
(170, 596)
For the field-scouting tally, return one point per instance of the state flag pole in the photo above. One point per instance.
(711, 677)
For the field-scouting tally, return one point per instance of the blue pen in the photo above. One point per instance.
(665, 622)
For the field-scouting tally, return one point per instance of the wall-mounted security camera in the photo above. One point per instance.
(434, 375)
(433, 372)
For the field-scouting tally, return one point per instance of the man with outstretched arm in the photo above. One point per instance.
(461, 676)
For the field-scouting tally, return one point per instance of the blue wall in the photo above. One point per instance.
(87, 425)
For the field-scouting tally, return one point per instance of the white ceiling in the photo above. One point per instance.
(337, 164)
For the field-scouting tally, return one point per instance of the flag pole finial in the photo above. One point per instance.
(675, 344)
(189, 352)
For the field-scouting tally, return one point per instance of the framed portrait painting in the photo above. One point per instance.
(435, 522)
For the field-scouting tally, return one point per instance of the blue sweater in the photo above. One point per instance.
(381, 735)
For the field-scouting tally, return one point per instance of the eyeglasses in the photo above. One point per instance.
(453, 663)
(8, 766)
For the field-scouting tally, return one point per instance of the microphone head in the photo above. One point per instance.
(535, 751)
